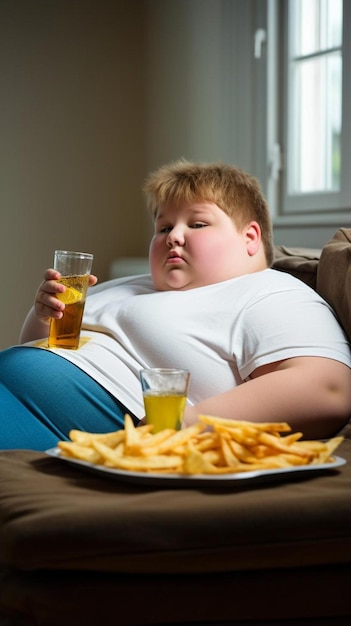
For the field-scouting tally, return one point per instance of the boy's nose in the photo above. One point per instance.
(175, 237)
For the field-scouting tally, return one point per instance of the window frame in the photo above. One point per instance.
(329, 207)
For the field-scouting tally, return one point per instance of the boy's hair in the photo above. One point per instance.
(237, 193)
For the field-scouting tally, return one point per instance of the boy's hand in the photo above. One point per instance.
(46, 304)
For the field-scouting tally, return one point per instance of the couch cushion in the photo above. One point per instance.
(300, 262)
(334, 276)
(55, 516)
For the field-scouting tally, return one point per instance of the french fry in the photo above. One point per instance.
(196, 463)
(279, 444)
(213, 456)
(211, 446)
(76, 451)
(331, 446)
(109, 455)
(241, 452)
(147, 445)
(179, 437)
(207, 441)
(242, 424)
(85, 439)
(132, 436)
(229, 456)
(148, 463)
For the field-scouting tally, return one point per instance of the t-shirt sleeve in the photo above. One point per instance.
(284, 325)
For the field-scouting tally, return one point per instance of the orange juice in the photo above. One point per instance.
(164, 410)
(65, 333)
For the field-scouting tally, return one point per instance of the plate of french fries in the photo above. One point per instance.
(214, 449)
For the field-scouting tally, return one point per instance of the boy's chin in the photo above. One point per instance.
(175, 280)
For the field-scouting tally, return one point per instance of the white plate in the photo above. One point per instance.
(182, 480)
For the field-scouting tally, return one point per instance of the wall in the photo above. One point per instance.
(201, 97)
(309, 236)
(72, 148)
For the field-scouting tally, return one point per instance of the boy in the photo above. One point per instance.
(260, 345)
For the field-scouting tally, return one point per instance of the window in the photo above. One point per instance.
(309, 131)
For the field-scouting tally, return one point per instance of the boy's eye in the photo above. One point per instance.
(199, 225)
(165, 229)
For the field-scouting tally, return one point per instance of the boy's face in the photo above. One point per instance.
(198, 244)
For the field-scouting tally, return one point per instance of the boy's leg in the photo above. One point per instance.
(43, 397)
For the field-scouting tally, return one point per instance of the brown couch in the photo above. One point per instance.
(80, 549)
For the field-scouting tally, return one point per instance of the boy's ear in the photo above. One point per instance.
(253, 238)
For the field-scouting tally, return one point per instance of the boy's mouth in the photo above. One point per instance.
(174, 257)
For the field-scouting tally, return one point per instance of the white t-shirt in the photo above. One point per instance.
(220, 332)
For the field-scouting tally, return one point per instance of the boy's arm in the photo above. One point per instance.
(46, 305)
(312, 394)
(34, 327)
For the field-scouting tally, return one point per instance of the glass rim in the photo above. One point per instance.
(74, 253)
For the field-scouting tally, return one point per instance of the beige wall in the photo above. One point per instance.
(72, 147)
(201, 97)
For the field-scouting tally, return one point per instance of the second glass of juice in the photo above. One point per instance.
(165, 392)
(75, 268)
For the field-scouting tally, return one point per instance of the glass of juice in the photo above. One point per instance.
(165, 392)
(75, 268)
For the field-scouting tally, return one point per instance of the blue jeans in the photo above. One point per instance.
(43, 397)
